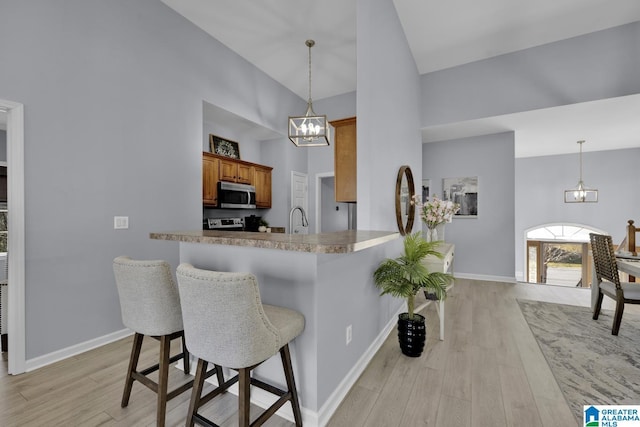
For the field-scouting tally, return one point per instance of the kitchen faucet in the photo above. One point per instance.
(305, 223)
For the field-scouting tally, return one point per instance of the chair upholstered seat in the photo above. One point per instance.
(630, 290)
(226, 323)
(289, 323)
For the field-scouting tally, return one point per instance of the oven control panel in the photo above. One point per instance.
(223, 223)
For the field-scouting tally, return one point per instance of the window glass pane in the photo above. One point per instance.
(560, 232)
(533, 264)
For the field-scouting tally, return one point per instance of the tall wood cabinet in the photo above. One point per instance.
(262, 182)
(210, 178)
(217, 168)
(345, 159)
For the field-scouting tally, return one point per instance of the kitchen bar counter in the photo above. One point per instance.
(338, 242)
(327, 277)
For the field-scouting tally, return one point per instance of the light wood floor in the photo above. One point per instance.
(488, 371)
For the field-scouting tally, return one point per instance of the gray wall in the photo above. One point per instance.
(484, 245)
(595, 66)
(113, 94)
(541, 181)
(388, 107)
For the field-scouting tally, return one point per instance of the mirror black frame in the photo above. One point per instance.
(405, 171)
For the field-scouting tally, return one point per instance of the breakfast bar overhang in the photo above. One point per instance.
(328, 278)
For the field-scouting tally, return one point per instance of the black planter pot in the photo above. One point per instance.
(411, 334)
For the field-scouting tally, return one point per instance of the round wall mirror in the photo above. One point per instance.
(405, 192)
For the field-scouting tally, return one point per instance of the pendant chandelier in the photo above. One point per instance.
(310, 130)
(581, 194)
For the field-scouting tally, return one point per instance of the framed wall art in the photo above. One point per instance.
(224, 147)
(463, 191)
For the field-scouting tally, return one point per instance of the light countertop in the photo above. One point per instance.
(328, 243)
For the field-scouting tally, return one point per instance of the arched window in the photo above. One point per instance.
(558, 254)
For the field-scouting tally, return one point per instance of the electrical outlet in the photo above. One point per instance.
(349, 334)
(120, 222)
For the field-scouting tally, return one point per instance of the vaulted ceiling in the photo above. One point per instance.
(441, 34)
(271, 34)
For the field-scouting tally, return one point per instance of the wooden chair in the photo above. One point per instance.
(226, 323)
(608, 279)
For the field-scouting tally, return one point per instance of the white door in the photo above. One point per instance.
(299, 198)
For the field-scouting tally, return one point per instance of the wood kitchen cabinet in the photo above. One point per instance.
(210, 178)
(262, 182)
(217, 168)
(234, 171)
(345, 159)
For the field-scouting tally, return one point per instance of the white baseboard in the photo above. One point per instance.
(259, 397)
(485, 277)
(332, 403)
(56, 356)
(311, 418)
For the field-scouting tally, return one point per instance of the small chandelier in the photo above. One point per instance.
(310, 130)
(581, 194)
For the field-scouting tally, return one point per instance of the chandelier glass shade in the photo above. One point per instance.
(310, 130)
(581, 194)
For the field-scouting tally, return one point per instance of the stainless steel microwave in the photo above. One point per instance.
(236, 196)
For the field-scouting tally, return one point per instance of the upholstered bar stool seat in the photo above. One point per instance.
(150, 305)
(226, 323)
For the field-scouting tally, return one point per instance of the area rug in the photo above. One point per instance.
(591, 366)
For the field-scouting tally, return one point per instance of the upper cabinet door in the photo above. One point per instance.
(228, 170)
(210, 166)
(245, 174)
(231, 170)
(262, 181)
(345, 160)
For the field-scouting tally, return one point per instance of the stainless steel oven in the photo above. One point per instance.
(224, 224)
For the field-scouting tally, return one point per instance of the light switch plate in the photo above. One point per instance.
(120, 222)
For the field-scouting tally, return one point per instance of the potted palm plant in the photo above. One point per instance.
(403, 277)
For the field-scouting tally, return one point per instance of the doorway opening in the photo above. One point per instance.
(558, 254)
(13, 112)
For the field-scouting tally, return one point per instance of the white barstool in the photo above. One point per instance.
(226, 323)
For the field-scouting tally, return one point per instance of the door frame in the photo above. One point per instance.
(319, 177)
(16, 240)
